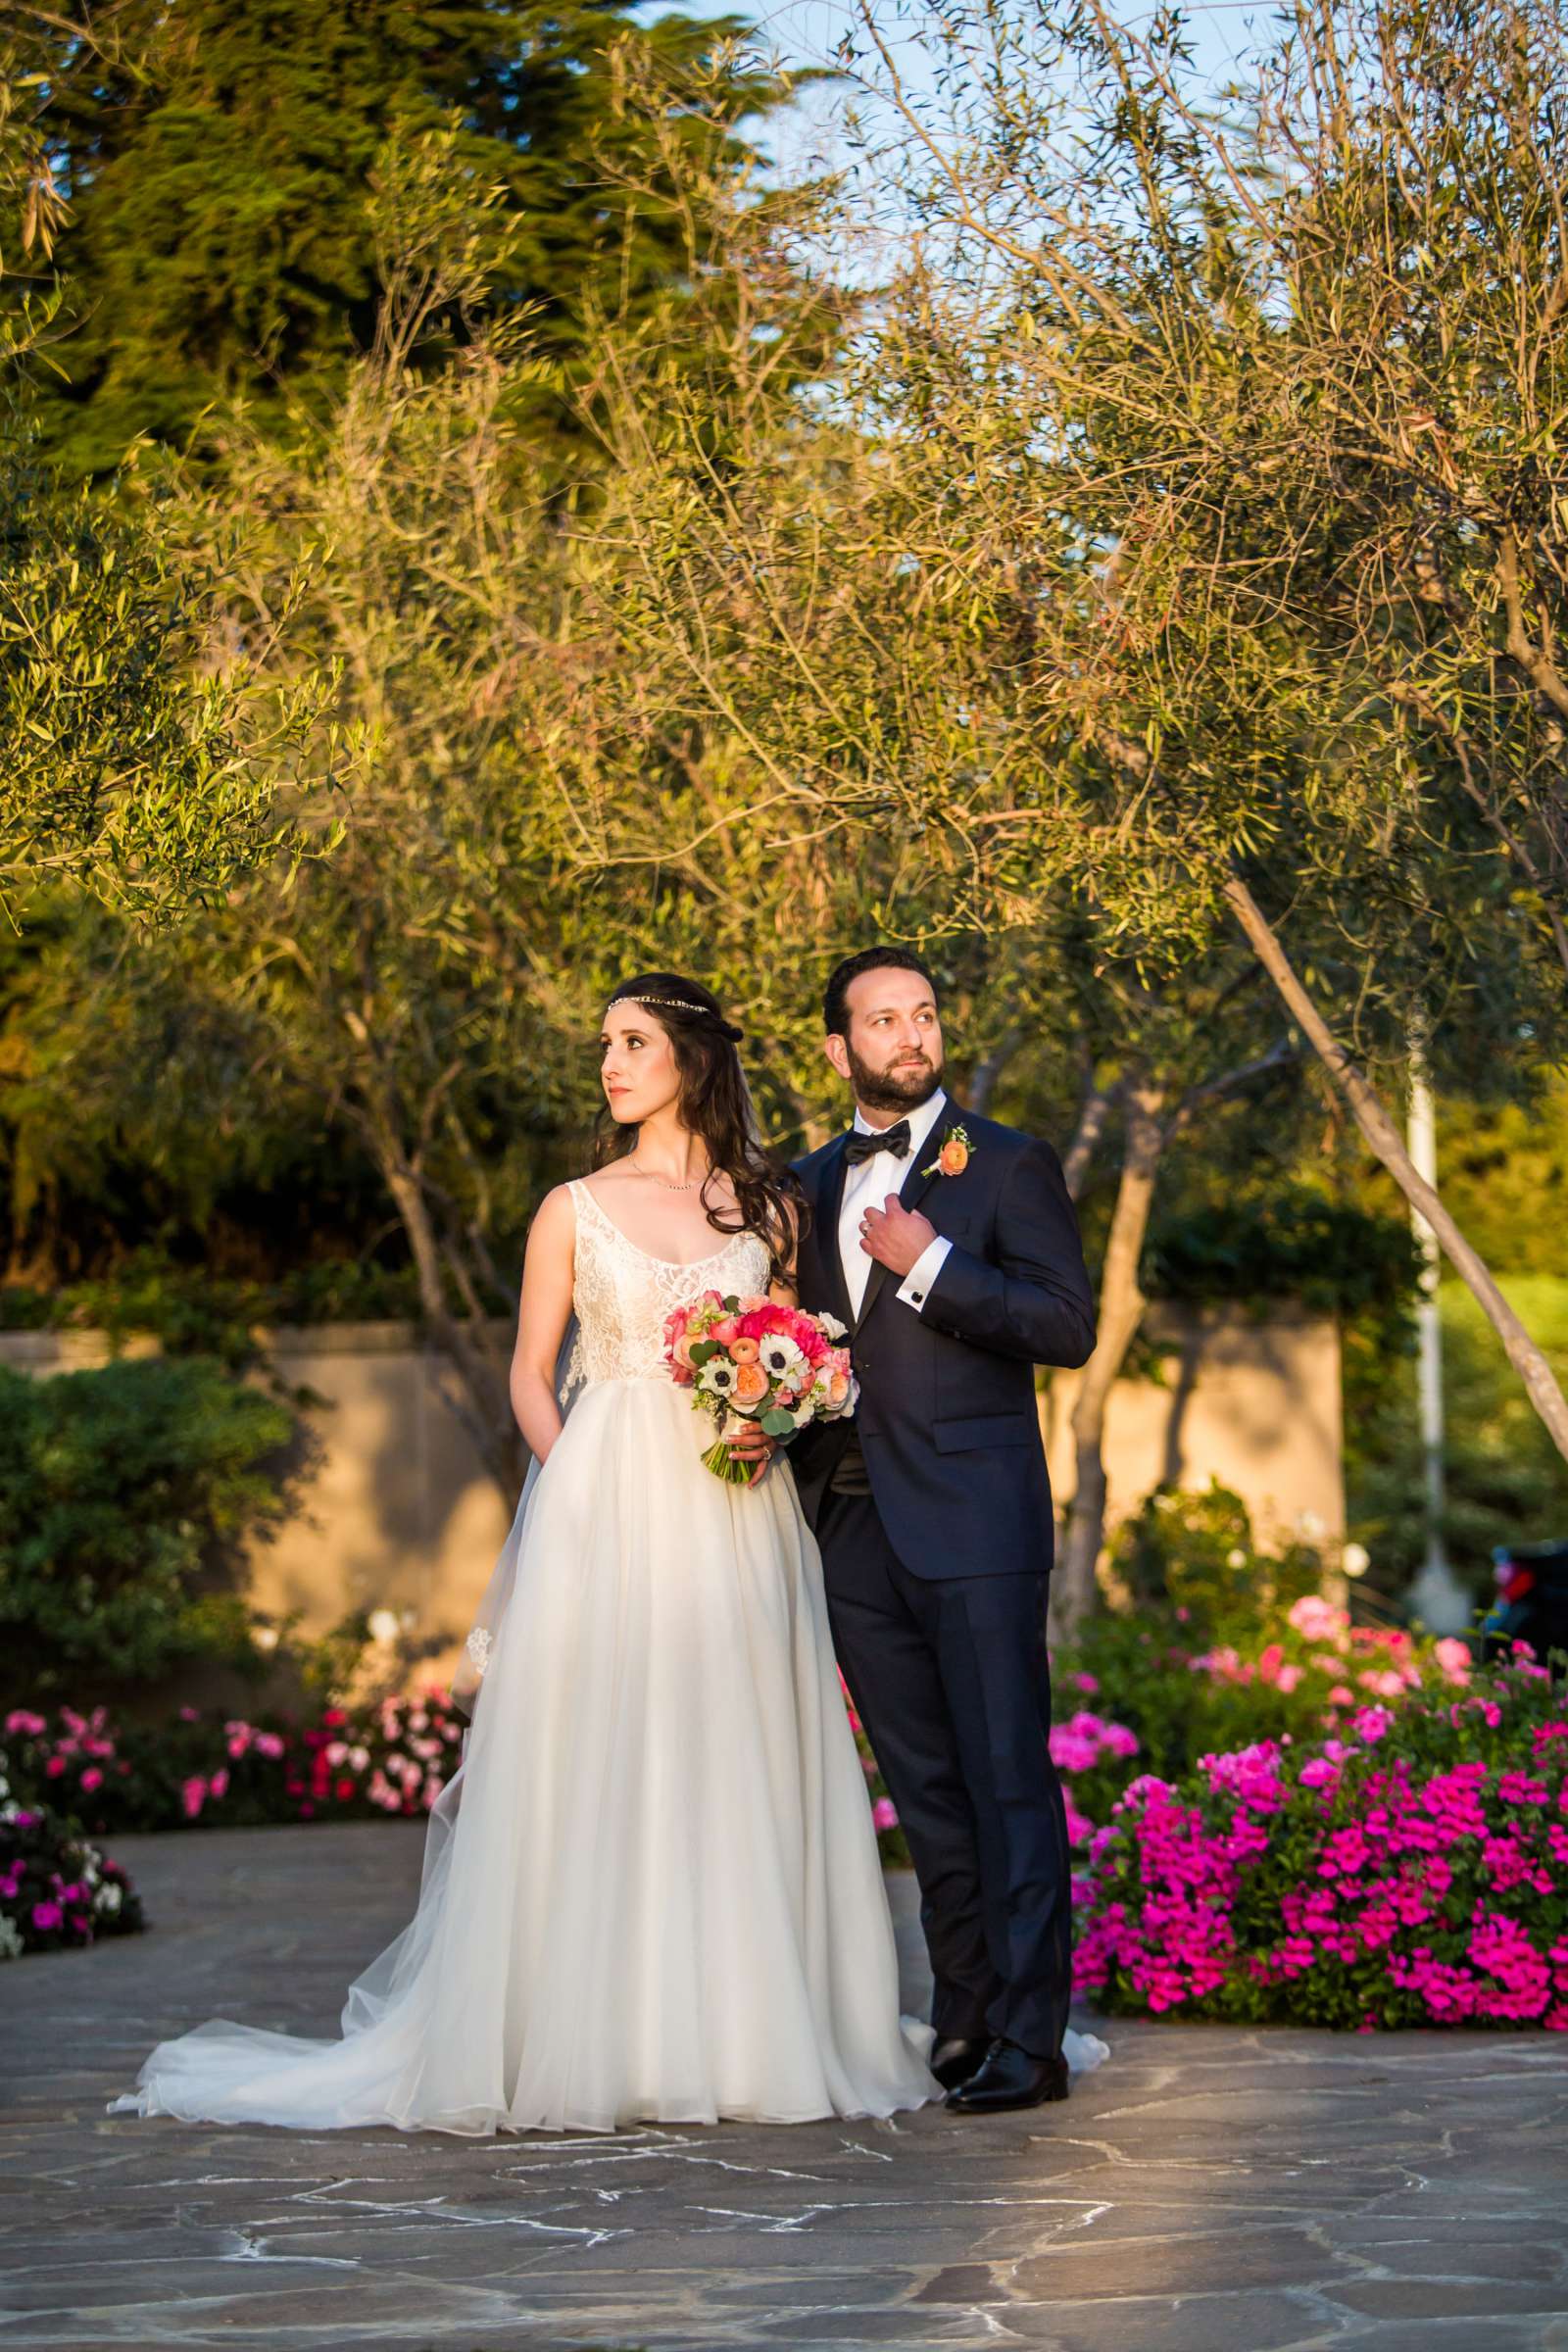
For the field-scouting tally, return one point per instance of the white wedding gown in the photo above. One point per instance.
(652, 1890)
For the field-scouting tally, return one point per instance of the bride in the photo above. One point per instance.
(652, 1890)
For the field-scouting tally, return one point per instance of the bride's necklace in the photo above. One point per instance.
(663, 1181)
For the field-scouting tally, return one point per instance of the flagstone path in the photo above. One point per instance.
(1209, 2190)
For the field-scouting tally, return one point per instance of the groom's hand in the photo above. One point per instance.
(896, 1235)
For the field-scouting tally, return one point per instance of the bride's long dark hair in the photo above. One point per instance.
(714, 1104)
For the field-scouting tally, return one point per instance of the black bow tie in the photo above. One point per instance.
(864, 1145)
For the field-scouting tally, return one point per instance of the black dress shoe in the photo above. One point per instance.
(953, 2061)
(1010, 2078)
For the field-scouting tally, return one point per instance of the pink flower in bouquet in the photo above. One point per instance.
(884, 1813)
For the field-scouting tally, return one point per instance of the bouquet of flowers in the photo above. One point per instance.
(750, 1360)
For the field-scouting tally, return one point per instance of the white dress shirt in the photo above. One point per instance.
(868, 1186)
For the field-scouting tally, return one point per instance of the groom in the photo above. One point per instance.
(950, 1246)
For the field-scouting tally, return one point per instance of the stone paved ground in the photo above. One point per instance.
(1208, 2192)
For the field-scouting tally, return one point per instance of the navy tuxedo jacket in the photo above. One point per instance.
(947, 1416)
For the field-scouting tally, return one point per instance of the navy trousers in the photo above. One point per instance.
(949, 1677)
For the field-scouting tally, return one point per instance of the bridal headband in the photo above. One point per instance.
(704, 1012)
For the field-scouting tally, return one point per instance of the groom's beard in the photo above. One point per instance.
(905, 1087)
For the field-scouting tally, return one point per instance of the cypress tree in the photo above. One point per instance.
(216, 156)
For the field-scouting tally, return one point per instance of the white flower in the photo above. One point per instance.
(718, 1377)
(358, 1757)
(10, 1940)
(266, 1636)
(779, 1356)
(834, 1329)
(806, 1411)
(1236, 1558)
(383, 1626)
(1356, 1559)
(1308, 1526)
(107, 1899)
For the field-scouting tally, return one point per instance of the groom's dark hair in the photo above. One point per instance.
(836, 995)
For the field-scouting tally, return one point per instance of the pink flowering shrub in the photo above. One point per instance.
(55, 1890)
(1302, 1672)
(392, 1757)
(1410, 1869)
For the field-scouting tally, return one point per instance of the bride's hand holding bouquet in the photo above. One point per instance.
(755, 1366)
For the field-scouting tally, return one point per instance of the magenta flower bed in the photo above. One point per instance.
(1412, 1871)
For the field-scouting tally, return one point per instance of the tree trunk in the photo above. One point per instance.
(1099, 1102)
(478, 1393)
(1384, 1139)
(1121, 1310)
(983, 1078)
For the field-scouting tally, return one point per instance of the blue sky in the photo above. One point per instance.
(806, 33)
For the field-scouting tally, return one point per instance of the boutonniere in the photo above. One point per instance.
(954, 1156)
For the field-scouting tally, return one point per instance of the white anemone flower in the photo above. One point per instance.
(718, 1377)
(779, 1356)
(384, 1627)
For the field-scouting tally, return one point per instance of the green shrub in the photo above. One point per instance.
(125, 1498)
(1194, 1555)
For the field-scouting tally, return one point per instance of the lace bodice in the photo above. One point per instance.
(624, 1298)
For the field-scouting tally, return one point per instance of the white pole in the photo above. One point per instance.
(1440, 1599)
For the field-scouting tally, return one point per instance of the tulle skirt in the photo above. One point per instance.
(652, 1890)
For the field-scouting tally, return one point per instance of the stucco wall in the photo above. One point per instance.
(1254, 1404)
(399, 1514)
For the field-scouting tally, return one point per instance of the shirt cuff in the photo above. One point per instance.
(917, 1283)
